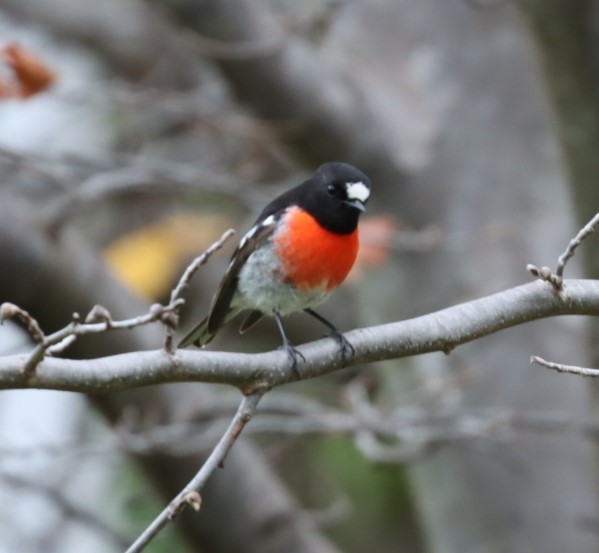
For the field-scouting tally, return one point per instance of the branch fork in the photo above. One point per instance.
(557, 279)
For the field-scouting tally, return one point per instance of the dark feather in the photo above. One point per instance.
(252, 318)
(197, 336)
(224, 295)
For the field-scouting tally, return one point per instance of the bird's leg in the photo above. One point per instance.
(289, 348)
(344, 344)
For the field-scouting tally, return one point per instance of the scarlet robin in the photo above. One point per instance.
(301, 247)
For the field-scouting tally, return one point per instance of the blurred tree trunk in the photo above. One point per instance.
(496, 188)
(281, 78)
(567, 37)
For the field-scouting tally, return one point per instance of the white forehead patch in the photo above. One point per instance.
(357, 191)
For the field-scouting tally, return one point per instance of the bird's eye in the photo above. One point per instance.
(331, 189)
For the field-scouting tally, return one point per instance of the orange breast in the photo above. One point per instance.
(313, 256)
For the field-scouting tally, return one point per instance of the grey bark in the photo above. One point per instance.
(441, 331)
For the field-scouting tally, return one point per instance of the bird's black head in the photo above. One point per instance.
(335, 196)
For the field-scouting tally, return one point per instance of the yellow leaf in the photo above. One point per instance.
(150, 259)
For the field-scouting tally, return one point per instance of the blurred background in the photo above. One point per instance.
(133, 133)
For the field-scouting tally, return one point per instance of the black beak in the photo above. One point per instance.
(356, 204)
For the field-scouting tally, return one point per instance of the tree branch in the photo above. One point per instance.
(189, 496)
(75, 512)
(187, 275)
(439, 331)
(559, 367)
(99, 319)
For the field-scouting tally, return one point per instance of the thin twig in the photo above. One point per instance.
(11, 311)
(140, 176)
(189, 496)
(410, 427)
(84, 180)
(172, 322)
(61, 339)
(374, 450)
(99, 319)
(197, 263)
(23, 160)
(226, 50)
(71, 510)
(584, 232)
(570, 369)
(556, 279)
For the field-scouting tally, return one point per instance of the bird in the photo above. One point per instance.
(300, 249)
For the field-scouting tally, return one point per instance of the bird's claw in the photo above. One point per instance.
(294, 354)
(346, 349)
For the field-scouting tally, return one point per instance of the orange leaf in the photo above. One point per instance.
(7, 90)
(377, 235)
(149, 259)
(31, 74)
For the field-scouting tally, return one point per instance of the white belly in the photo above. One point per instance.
(260, 287)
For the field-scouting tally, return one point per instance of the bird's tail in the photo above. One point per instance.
(202, 334)
(198, 336)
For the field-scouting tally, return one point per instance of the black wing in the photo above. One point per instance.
(254, 238)
(220, 309)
